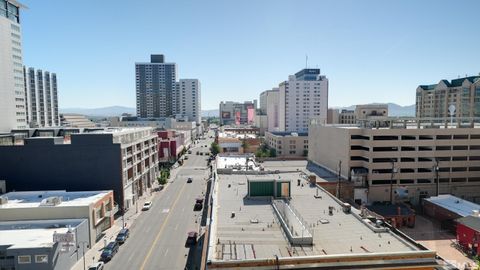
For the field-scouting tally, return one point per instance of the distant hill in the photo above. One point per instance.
(210, 113)
(105, 111)
(393, 109)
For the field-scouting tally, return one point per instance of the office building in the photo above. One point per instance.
(288, 144)
(269, 105)
(41, 98)
(400, 157)
(236, 113)
(124, 160)
(187, 92)
(434, 100)
(12, 90)
(303, 97)
(155, 87)
(361, 112)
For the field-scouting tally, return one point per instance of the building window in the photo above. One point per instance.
(24, 259)
(41, 258)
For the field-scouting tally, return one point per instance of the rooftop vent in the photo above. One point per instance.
(51, 201)
(3, 200)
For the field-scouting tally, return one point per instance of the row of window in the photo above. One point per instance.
(25, 259)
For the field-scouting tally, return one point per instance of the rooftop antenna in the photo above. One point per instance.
(306, 60)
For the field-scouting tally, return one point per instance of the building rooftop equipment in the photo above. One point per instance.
(34, 233)
(50, 198)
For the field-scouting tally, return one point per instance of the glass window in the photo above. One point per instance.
(23, 259)
(41, 258)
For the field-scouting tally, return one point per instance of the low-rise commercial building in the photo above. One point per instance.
(236, 113)
(446, 208)
(288, 144)
(97, 207)
(400, 153)
(54, 244)
(273, 222)
(75, 121)
(468, 233)
(122, 159)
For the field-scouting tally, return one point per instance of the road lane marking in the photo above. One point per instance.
(166, 253)
(161, 230)
(176, 227)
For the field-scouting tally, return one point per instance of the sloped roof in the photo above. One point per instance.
(453, 83)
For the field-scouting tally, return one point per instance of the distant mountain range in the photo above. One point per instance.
(104, 111)
(393, 109)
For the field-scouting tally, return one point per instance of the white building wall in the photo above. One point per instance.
(12, 95)
(188, 96)
(304, 100)
(273, 110)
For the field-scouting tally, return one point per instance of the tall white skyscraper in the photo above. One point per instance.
(302, 98)
(42, 98)
(12, 92)
(187, 95)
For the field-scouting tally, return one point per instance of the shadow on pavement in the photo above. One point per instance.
(206, 204)
(194, 256)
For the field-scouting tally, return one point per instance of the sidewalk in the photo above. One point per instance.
(93, 254)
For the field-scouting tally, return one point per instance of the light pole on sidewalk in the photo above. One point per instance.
(83, 252)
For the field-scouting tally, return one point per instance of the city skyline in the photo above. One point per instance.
(377, 51)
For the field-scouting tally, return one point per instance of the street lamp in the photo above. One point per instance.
(436, 169)
(83, 252)
(394, 170)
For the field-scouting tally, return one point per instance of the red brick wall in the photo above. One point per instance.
(465, 236)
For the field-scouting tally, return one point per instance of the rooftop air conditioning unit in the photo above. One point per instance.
(51, 201)
(3, 200)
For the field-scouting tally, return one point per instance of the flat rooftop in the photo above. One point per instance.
(236, 162)
(454, 204)
(255, 231)
(34, 233)
(32, 199)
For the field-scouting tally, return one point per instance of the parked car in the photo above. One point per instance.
(122, 235)
(186, 157)
(96, 266)
(109, 251)
(198, 153)
(189, 180)
(198, 204)
(192, 238)
(146, 206)
(189, 151)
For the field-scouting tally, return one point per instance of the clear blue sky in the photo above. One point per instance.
(371, 51)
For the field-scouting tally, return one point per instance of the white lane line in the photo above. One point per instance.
(166, 252)
(176, 227)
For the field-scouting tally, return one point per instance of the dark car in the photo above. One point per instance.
(122, 236)
(198, 204)
(189, 180)
(192, 238)
(109, 251)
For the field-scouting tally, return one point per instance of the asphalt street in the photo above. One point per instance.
(158, 237)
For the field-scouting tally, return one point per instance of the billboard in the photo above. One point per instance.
(226, 115)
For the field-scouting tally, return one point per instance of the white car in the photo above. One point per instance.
(96, 266)
(146, 206)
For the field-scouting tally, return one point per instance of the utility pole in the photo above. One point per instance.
(391, 181)
(436, 168)
(339, 178)
(83, 252)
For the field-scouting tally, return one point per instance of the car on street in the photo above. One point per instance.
(189, 151)
(186, 157)
(146, 206)
(96, 266)
(109, 251)
(122, 235)
(189, 180)
(192, 238)
(198, 204)
(198, 153)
